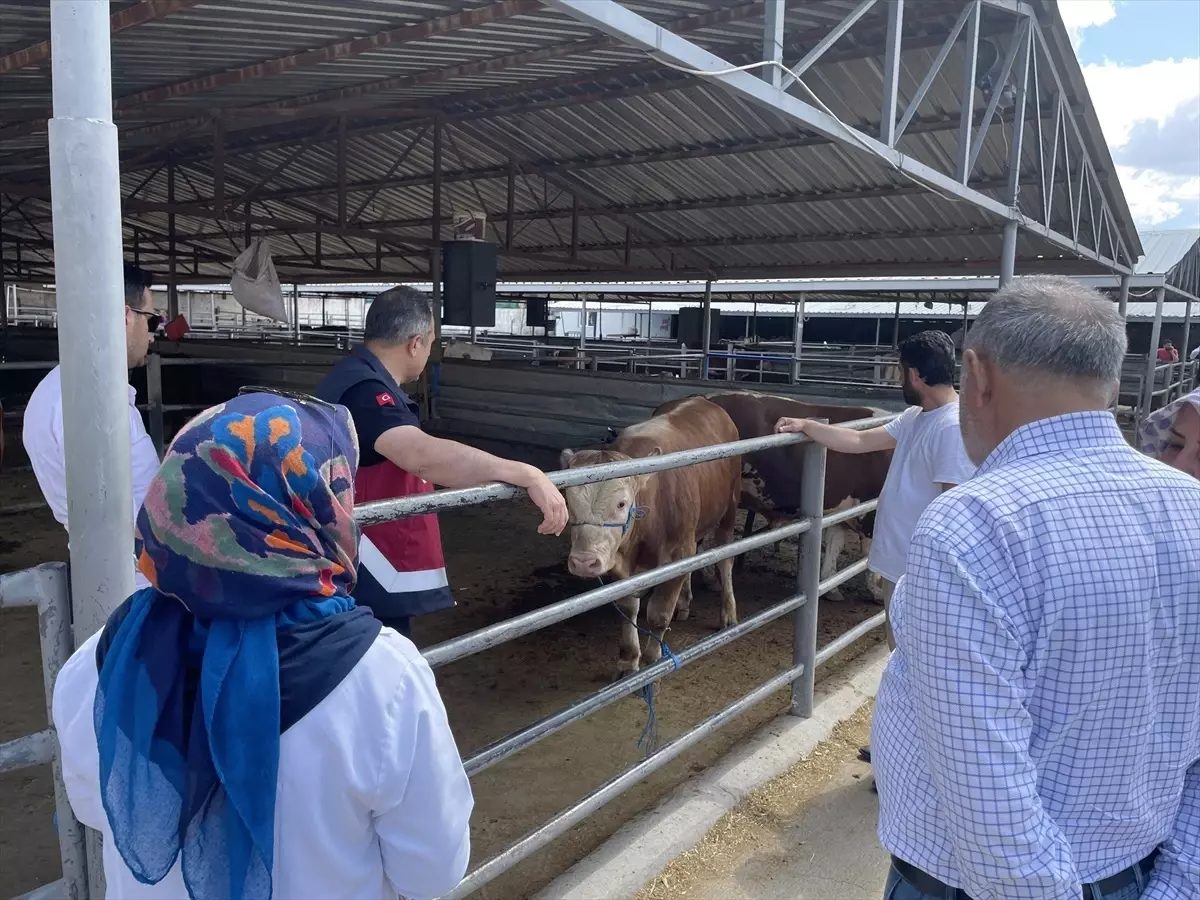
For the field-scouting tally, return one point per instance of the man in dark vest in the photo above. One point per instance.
(401, 569)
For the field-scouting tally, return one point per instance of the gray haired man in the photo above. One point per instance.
(1037, 731)
(402, 572)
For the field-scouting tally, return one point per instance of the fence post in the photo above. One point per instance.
(154, 401)
(54, 632)
(808, 577)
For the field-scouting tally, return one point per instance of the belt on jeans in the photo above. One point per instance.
(927, 884)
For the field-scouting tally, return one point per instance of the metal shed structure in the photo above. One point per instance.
(654, 138)
(907, 138)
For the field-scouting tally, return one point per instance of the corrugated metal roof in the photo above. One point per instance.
(864, 309)
(721, 185)
(1174, 254)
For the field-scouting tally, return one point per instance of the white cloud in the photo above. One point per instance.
(1155, 197)
(1080, 14)
(1128, 96)
(1153, 101)
(1124, 95)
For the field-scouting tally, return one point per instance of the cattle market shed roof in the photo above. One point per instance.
(1173, 256)
(342, 131)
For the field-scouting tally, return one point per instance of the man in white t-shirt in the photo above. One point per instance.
(929, 455)
(43, 429)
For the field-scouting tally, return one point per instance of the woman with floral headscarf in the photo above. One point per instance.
(241, 730)
(1172, 434)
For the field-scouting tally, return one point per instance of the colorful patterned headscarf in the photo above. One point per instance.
(1154, 434)
(248, 538)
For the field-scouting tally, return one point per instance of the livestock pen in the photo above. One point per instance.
(596, 141)
(565, 648)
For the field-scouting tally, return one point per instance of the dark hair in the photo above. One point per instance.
(136, 282)
(398, 315)
(931, 355)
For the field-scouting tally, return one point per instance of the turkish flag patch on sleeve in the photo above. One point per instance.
(385, 399)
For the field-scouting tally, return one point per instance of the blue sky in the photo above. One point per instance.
(1141, 59)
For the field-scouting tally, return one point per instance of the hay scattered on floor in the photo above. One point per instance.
(755, 824)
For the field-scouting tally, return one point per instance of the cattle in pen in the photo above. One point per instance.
(628, 525)
(771, 478)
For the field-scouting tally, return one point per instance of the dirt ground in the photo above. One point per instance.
(498, 567)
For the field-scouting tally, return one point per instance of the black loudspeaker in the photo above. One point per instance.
(468, 283)
(537, 312)
(691, 325)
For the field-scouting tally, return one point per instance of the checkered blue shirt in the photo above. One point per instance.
(1038, 726)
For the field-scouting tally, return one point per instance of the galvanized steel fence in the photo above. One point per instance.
(801, 606)
(47, 588)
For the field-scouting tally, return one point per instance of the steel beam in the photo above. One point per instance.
(966, 120)
(706, 329)
(341, 172)
(373, 192)
(1160, 295)
(811, 57)
(638, 31)
(1123, 298)
(129, 17)
(339, 50)
(773, 23)
(1010, 57)
(915, 103)
(891, 72)
(1040, 41)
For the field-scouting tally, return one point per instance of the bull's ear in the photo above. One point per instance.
(657, 451)
(564, 458)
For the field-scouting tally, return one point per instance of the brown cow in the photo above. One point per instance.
(628, 525)
(771, 478)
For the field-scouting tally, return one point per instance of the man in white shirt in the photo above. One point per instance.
(43, 428)
(929, 455)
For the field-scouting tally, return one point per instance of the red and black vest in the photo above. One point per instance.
(401, 568)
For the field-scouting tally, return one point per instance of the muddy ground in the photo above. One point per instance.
(499, 567)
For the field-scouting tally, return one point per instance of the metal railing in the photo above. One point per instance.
(802, 606)
(47, 588)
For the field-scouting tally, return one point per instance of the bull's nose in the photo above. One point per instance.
(583, 564)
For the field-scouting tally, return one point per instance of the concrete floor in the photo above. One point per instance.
(829, 851)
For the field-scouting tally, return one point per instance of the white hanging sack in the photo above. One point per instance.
(256, 284)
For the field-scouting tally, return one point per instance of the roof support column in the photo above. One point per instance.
(1008, 253)
(1160, 294)
(85, 196)
(172, 251)
(891, 72)
(706, 329)
(896, 328)
(1123, 299)
(435, 267)
(1185, 347)
(797, 337)
(773, 40)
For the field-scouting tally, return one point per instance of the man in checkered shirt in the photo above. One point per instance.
(1037, 732)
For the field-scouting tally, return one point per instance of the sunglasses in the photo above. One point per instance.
(153, 320)
(295, 396)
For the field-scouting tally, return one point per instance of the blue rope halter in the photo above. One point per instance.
(635, 512)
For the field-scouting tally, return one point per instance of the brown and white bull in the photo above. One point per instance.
(628, 525)
(771, 478)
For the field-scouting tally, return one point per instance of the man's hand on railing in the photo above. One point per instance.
(550, 501)
(791, 426)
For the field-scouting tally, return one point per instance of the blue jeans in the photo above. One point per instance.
(899, 889)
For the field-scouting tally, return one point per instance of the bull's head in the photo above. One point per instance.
(602, 514)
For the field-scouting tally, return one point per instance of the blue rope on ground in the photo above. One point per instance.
(648, 741)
